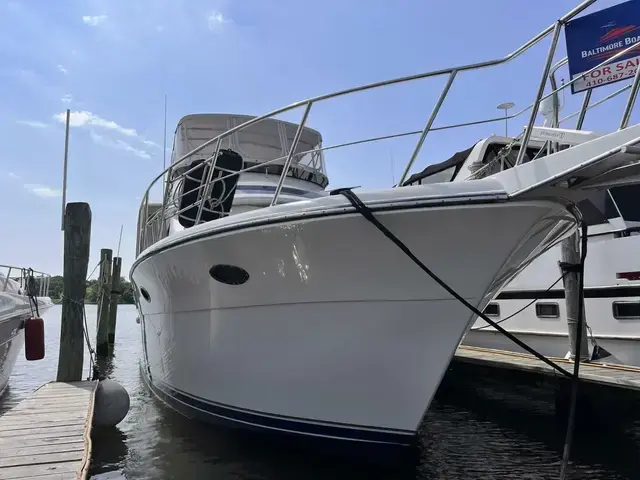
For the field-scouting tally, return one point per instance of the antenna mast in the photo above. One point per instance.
(164, 146)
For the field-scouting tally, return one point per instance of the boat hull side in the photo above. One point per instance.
(336, 333)
(14, 310)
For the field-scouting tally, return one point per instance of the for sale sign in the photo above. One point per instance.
(594, 38)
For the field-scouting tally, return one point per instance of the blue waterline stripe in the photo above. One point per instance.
(303, 427)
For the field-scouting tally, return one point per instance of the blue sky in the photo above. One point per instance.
(112, 61)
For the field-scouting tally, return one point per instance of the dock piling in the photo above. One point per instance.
(570, 249)
(115, 295)
(77, 237)
(104, 300)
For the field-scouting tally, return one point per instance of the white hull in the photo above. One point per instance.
(336, 333)
(14, 310)
(607, 255)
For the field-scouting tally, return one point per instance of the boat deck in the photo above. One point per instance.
(47, 435)
(620, 376)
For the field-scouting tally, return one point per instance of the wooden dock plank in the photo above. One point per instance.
(55, 447)
(55, 457)
(58, 405)
(619, 376)
(44, 419)
(50, 423)
(35, 471)
(33, 413)
(37, 430)
(48, 435)
(41, 406)
(36, 440)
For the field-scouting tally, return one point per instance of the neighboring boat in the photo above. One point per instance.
(268, 303)
(19, 300)
(532, 306)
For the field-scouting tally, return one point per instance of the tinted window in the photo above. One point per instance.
(547, 310)
(443, 176)
(623, 310)
(627, 200)
(492, 310)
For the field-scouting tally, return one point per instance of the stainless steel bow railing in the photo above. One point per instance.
(152, 228)
(20, 275)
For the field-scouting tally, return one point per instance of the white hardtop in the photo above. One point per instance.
(264, 141)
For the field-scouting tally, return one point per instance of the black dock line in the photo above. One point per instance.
(368, 214)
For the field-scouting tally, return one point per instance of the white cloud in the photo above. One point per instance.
(215, 20)
(128, 148)
(84, 118)
(13, 175)
(62, 70)
(118, 145)
(68, 98)
(93, 121)
(152, 144)
(32, 123)
(94, 20)
(42, 190)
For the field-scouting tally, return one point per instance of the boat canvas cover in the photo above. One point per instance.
(456, 160)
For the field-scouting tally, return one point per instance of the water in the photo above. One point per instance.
(474, 430)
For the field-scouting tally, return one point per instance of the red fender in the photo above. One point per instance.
(34, 338)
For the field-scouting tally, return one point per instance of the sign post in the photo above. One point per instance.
(592, 39)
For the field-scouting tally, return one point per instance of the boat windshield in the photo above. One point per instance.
(448, 170)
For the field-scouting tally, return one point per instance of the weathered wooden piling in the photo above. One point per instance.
(115, 295)
(570, 250)
(104, 299)
(77, 238)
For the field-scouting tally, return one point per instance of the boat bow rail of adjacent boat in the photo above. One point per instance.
(17, 279)
(154, 217)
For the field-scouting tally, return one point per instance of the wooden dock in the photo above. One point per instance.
(611, 375)
(47, 435)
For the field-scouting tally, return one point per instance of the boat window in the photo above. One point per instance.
(626, 199)
(626, 310)
(443, 176)
(492, 310)
(440, 172)
(607, 204)
(547, 310)
(510, 160)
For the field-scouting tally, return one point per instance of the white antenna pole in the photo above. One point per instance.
(393, 170)
(506, 106)
(164, 146)
(119, 241)
(64, 169)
